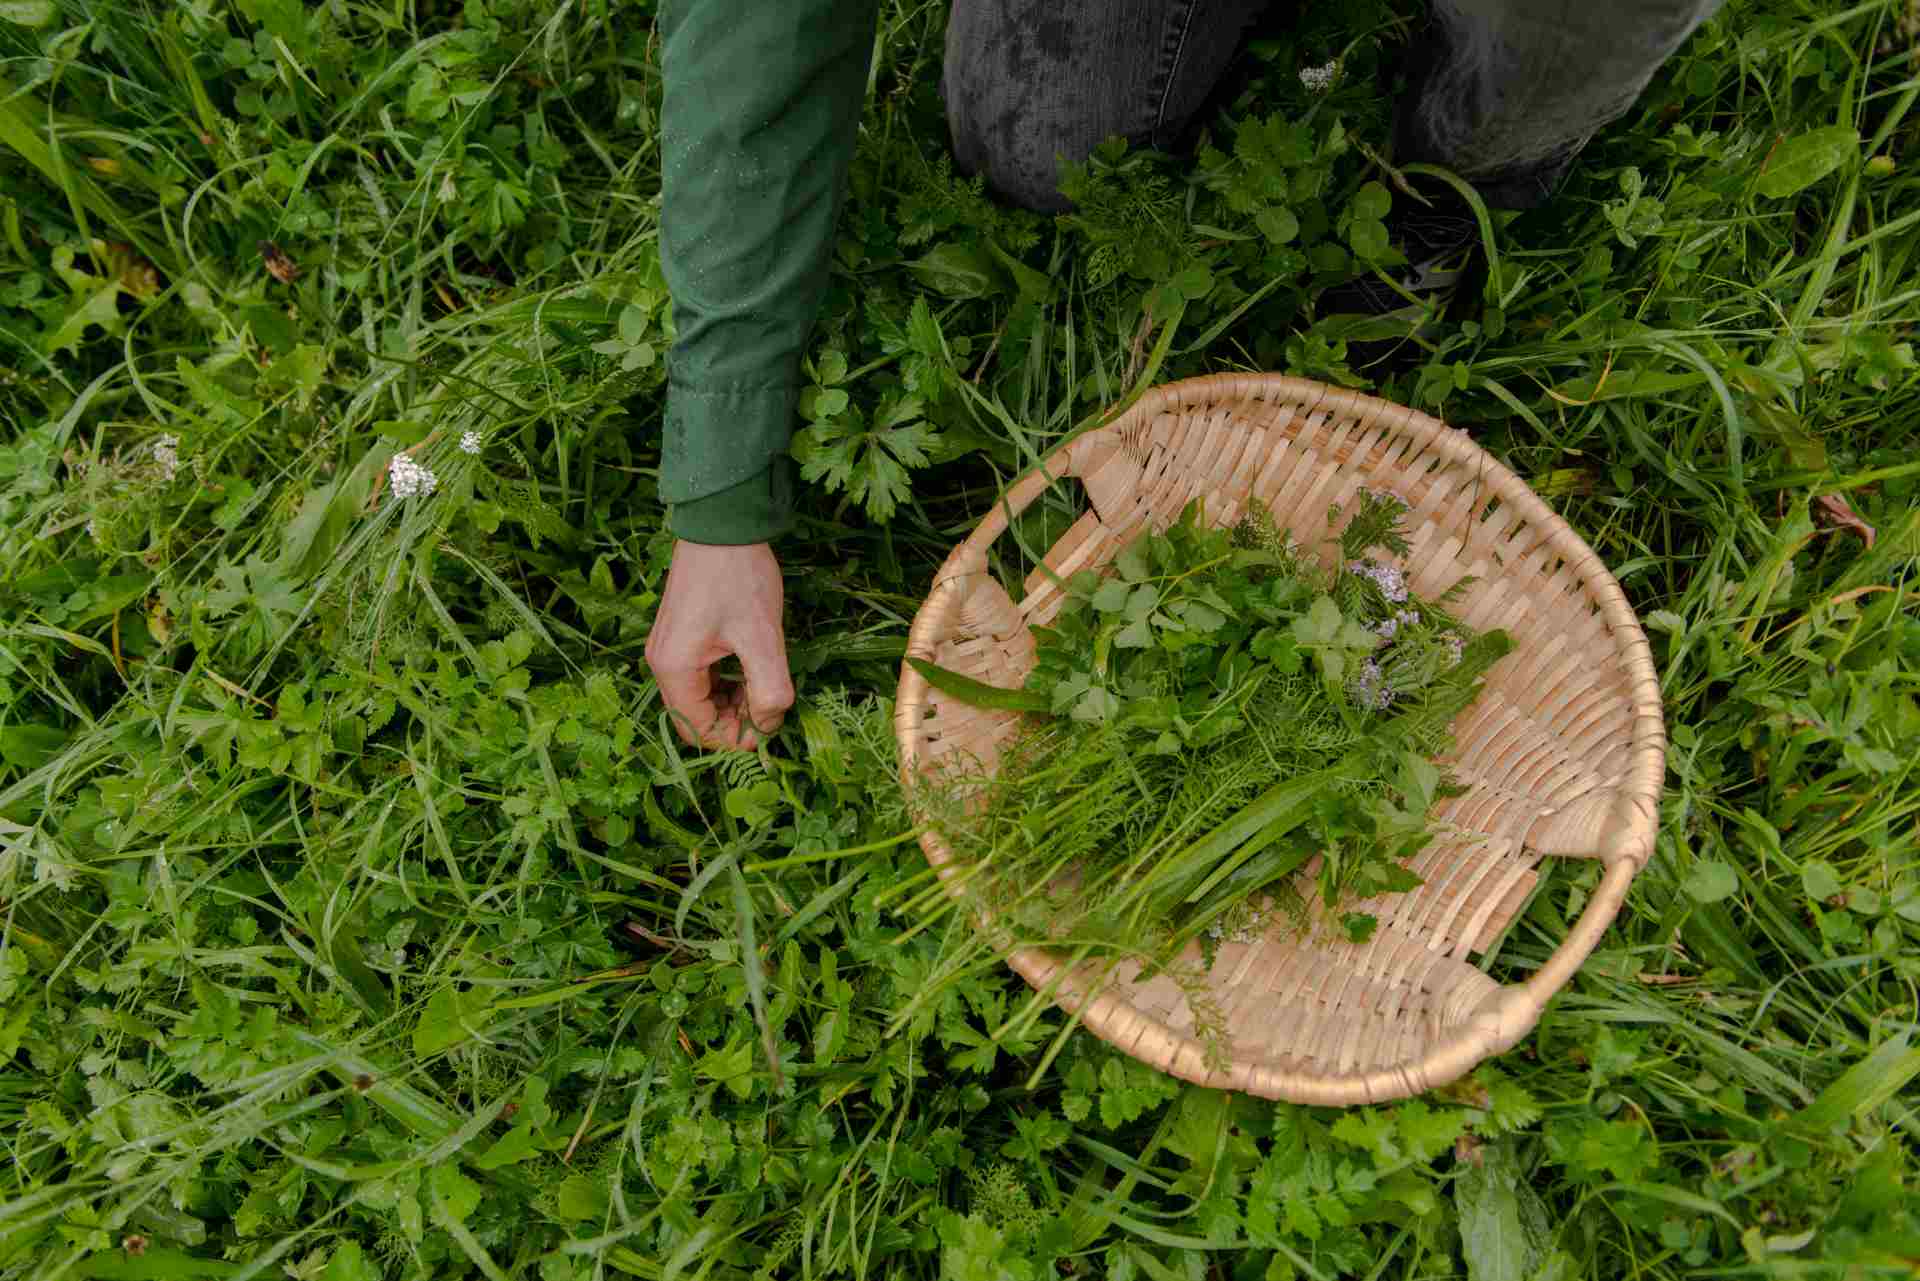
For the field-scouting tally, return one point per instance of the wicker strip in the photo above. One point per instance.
(1563, 756)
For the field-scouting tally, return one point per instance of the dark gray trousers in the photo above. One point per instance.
(1506, 92)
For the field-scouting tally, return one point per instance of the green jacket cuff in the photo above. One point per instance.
(757, 510)
(717, 436)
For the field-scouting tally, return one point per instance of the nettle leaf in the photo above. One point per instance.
(1503, 1224)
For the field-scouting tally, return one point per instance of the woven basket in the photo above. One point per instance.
(1562, 754)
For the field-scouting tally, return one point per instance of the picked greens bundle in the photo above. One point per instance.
(1205, 722)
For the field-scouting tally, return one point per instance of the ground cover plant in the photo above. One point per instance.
(362, 918)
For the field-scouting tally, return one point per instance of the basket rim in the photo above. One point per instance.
(1633, 820)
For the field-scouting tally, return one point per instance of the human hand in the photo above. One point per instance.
(720, 601)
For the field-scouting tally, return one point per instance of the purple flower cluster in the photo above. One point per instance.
(1456, 647)
(1387, 628)
(1388, 578)
(1370, 688)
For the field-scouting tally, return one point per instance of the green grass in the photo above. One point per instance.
(316, 813)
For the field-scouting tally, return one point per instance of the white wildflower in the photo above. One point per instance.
(1456, 647)
(410, 478)
(93, 528)
(469, 442)
(166, 452)
(1320, 79)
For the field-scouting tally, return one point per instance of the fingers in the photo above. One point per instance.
(763, 657)
(687, 690)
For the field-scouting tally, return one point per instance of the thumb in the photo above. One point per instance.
(763, 658)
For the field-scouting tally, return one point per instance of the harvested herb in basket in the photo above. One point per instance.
(1205, 722)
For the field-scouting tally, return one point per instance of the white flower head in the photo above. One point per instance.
(1320, 79)
(470, 442)
(166, 452)
(410, 479)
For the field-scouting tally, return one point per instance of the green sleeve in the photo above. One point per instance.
(763, 100)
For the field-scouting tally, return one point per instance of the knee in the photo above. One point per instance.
(1017, 136)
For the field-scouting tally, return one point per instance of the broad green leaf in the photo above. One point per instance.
(1368, 236)
(159, 1263)
(1819, 880)
(1372, 201)
(580, 1197)
(459, 1196)
(521, 1141)
(1805, 159)
(1278, 225)
(955, 270)
(29, 746)
(1320, 624)
(731, 1065)
(831, 367)
(448, 1019)
(1862, 1088)
(350, 1263)
(1111, 597)
(633, 324)
(1710, 881)
(1194, 283)
(976, 693)
(1132, 562)
(1503, 1225)
(27, 13)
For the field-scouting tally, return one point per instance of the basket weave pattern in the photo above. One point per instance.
(1563, 754)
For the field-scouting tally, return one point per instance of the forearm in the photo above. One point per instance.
(762, 106)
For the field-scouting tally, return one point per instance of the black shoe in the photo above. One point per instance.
(1441, 242)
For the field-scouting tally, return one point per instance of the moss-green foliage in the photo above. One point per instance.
(320, 804)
